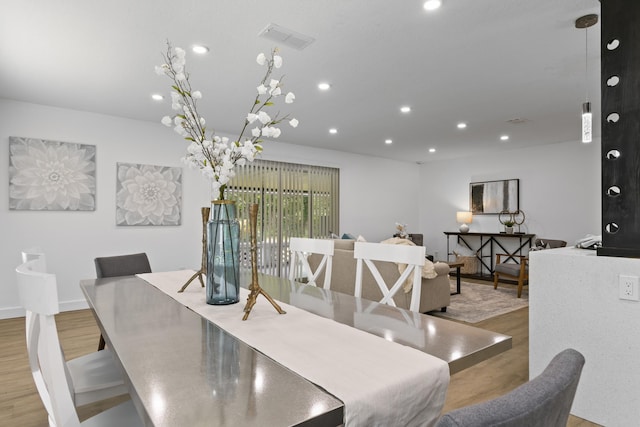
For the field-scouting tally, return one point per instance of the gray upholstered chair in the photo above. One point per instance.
(545, 401)
(506, 265)
(121, 265)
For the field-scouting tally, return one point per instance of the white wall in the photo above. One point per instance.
(559, 192)
(371, 190)
(574, 303)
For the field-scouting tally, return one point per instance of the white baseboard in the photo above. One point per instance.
(80, 304)
(11, 312)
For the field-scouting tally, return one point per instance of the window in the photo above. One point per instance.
(294, 201)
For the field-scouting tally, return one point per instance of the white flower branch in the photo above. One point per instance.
(216, 157)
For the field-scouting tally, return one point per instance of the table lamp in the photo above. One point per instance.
(464, 217)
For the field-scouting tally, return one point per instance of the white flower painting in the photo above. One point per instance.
(148, 195)
(51, 175)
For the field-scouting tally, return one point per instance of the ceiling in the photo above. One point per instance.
(483, 62)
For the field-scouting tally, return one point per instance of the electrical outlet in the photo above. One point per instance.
(628, 287)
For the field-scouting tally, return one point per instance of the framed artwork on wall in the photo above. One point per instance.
(493, 197)
(148, 195)
(49, 175)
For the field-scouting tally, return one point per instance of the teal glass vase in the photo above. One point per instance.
(223, 259)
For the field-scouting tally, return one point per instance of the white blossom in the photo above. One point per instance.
(263, 117)
(273, 83)
(289, 98)
(271, 131)
(262, 89)
(294, 123)
(255, 132)
(180, 53)
(176, 101)
(252, 117)
(180, 130)
(207, 144)
(161, 70)
(202, 121)
(261, 59)
(166, 120)
(275, 92)
(196, 94)
(181, 77)
(277, 61)
(194, 148)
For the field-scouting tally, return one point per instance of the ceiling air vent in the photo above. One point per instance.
(517, 121)
(285, 36)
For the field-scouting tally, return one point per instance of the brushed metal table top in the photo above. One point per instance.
(460, 345)
(184, 370)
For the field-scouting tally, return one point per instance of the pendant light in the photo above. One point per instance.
(587, 119)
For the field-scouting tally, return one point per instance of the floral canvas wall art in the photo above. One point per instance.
(148, 194)
(51, 175)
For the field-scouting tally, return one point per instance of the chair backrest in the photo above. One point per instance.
(549, 243)
(122, 265)
(413, 256)
(545, 401)
(35, 253)
(39, 296)
(300, 249)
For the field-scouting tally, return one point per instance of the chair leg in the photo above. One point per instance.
(520, 283)
(101, 344)
(495, 280)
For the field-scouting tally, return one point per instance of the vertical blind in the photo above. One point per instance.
(293, 200)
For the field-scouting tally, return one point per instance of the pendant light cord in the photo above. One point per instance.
(586, 64)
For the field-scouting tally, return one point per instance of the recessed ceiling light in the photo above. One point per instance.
(199, 49)
(504, 138)
(388, 141)
(462, 125)
(333, 130)
(157, 97)
(432, 150)
(324, 86)
(432, 4)
(405, 109)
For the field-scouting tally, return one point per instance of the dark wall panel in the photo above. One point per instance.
(620, 86)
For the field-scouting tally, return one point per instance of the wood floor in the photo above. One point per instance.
(502, 373)
(20, 405)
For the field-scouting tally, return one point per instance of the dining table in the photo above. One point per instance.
(332, 359)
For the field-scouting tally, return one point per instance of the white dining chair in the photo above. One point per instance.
(301, 248)
(413, 256)
(35, 253)
(92, 377)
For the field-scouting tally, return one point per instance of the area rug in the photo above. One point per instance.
(479, 302)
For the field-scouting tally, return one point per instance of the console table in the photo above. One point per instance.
(484, 246)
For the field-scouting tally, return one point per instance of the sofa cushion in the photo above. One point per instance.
(346, 244)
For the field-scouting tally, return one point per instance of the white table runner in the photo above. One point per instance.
(381, 383)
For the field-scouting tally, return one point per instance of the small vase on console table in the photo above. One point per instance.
(223, 263)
